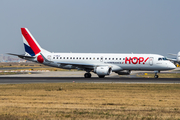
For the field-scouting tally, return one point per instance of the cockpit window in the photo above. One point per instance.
(162, 59)
(159, 58)
(165, 59)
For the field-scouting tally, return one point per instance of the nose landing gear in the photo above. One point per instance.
(156, 76)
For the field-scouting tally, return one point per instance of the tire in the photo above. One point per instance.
(101, 76)
(156, 76)
(87, 75)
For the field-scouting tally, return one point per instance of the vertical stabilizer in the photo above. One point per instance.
(30, 44)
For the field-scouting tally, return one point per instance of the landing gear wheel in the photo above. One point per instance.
(156, 76)
(101, 76)
(87, 75)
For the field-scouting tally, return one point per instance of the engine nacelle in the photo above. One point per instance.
(124, 72)
(103, 70)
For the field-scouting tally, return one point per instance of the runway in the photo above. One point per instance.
(78, 77)
(18, 80)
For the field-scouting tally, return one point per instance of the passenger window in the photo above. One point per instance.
(60, 57)
(86, 58)
(116, 58)
(77, 58)
(90, 58)
(67, 57)
(53, 57)
(109, 58)
(70, 57)
(64, 57)
(119, 58)
(97, 58)
(105, 58)
(112, 58)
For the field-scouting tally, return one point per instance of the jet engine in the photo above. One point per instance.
(124, 72)
(103, 70)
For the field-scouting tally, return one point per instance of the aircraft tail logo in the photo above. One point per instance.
(30, 44)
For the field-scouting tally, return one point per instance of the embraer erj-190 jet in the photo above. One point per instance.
(100, 63)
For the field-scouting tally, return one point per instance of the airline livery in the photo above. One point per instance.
(100, 64)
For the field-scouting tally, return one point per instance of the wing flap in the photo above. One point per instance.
(77, 64)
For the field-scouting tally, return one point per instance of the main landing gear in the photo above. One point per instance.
(87, 75)
(101, 76)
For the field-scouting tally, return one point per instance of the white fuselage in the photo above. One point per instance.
(117, 62)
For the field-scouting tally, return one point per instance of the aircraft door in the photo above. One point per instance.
(151, 61)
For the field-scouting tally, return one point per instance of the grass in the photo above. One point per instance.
(90, 101)
(12, 73)
(161, 75)
(28, 66)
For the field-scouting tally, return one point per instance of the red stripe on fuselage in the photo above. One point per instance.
(30, 41)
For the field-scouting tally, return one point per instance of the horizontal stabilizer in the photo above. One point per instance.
(21, 56)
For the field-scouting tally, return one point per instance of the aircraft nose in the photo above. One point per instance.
(171, 66)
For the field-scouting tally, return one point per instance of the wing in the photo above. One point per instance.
(81, 65)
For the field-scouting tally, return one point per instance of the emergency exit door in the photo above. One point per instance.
(151, 61)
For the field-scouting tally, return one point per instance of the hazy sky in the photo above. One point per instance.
(92, 26)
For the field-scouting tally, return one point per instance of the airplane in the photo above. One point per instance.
(175, 60)
(101, 64)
